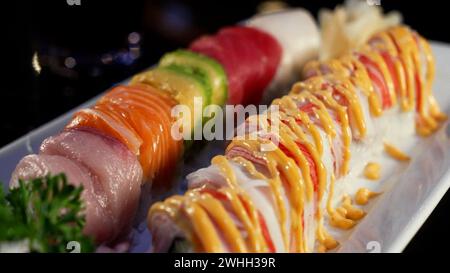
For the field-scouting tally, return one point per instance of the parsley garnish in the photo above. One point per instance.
(46, 212)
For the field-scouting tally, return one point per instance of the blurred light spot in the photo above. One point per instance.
(35, 63)
(124, 57)
(134, 38)
(107, 58)
(70, 62)
(135, 52)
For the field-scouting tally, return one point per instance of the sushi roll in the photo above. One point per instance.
(276, 192)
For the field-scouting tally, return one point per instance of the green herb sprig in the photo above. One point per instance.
(46, 212)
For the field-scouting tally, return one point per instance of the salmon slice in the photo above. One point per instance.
(109, 124)
(150, 116)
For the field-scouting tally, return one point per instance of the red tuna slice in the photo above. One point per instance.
(211, 47)
(266, 43)
(269, 47)
(250, 58)
(267, 53)
(252, 62)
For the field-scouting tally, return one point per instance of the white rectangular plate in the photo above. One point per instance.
(392, 219)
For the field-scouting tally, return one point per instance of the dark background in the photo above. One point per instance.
(96, 35)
